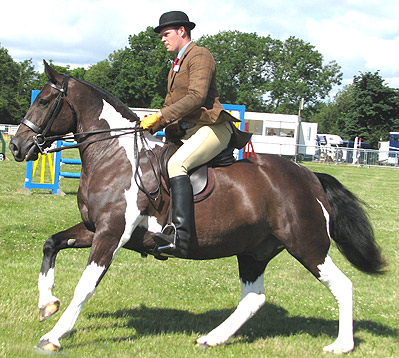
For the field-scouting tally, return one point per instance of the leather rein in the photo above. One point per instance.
(40, 139)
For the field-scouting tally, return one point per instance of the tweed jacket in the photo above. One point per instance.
(192, 94)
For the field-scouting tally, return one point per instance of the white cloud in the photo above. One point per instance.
(359, 42)
(361, 35)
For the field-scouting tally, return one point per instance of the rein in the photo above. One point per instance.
(156, 194)
(44, 128)
(127, 130)
(40, 140)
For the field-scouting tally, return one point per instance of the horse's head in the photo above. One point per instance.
(50, 114)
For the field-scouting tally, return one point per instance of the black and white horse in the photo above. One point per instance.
(258, 208)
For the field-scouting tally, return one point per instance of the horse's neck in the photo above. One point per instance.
(130, 142)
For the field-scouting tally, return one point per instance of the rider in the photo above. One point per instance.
(191, 107)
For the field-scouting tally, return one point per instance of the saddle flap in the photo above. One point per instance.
(199, 179)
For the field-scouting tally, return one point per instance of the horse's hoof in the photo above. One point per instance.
(202, 346)
(47, 346)
(48, 310)
(338, 349)
(207, 342)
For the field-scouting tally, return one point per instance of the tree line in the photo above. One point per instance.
(264, 74)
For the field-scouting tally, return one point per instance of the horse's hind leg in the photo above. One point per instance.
(341, 288)
(316, 259)
(77, 236)
(252, 299)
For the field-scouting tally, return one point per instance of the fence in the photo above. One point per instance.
(343, 155)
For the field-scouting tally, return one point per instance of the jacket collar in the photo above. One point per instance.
(186, 52)
(181, 52)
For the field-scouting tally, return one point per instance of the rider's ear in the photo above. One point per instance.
(52, 74)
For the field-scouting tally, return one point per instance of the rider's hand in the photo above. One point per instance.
(149, 121)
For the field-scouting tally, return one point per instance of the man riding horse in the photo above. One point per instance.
(193, 110)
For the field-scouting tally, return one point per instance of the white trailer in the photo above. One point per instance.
(282, 134)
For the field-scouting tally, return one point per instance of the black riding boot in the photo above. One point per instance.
(175, 237)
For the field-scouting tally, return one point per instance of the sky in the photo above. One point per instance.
(360, 35)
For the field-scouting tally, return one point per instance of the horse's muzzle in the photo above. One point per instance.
(19, 151)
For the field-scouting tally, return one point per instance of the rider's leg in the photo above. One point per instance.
(201, 147)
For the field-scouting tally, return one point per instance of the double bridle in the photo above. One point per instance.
(40, 139)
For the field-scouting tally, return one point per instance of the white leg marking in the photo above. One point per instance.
(341, 288)
(84, 290)
(46, 285)
(252, 299)
(327, 216)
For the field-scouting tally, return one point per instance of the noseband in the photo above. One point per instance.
(40, 139)
(44, 128)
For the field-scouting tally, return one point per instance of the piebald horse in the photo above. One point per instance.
(258, 208)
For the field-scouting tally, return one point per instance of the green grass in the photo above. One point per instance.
(148, 308)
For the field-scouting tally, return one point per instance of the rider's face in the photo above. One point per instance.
(173, 39)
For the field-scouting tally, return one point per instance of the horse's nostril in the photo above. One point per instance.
(15, 151)
(13, 148)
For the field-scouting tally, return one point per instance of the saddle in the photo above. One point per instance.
(202, 178)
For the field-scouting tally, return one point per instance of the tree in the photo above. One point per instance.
(242, 62)
(16, 82)
(138, 74)
(79, 73)
(8, 79)
(297, 71)
(270, 75)
(374, 109)
(260, 72)
(331, 115)
(395, 119)
(99, 74)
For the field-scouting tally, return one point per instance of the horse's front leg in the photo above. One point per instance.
(107, 240)
(77, 236)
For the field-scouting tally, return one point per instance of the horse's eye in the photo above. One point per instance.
(43, 102)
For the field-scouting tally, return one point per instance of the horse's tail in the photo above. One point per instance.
(350, 227)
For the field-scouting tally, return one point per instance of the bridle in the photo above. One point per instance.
(40, 139)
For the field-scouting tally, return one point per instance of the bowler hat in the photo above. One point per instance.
(172, 18)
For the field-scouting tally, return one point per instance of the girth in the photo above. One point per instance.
(202, 177)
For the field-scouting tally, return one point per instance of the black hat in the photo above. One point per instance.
(174, 18)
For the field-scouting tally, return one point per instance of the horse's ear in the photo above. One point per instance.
(51, 73)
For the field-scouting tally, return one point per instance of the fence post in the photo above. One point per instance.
(239, 108)
(3, 147)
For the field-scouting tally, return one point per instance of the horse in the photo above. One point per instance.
(258, 207)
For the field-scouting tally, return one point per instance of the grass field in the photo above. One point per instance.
(148, 308)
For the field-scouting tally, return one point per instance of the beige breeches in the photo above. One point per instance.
(201, 144)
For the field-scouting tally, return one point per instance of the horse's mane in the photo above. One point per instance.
(112, 99)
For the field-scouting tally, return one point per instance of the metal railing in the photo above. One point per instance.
(340, 155)
(360, 156)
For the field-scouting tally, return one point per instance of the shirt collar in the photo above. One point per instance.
(181, 52)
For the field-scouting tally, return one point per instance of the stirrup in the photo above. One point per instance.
(171, 249)
(171, 245)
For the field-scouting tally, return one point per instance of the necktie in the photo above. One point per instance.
(175, 62)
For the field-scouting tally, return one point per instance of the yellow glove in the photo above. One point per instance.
(149, 121)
